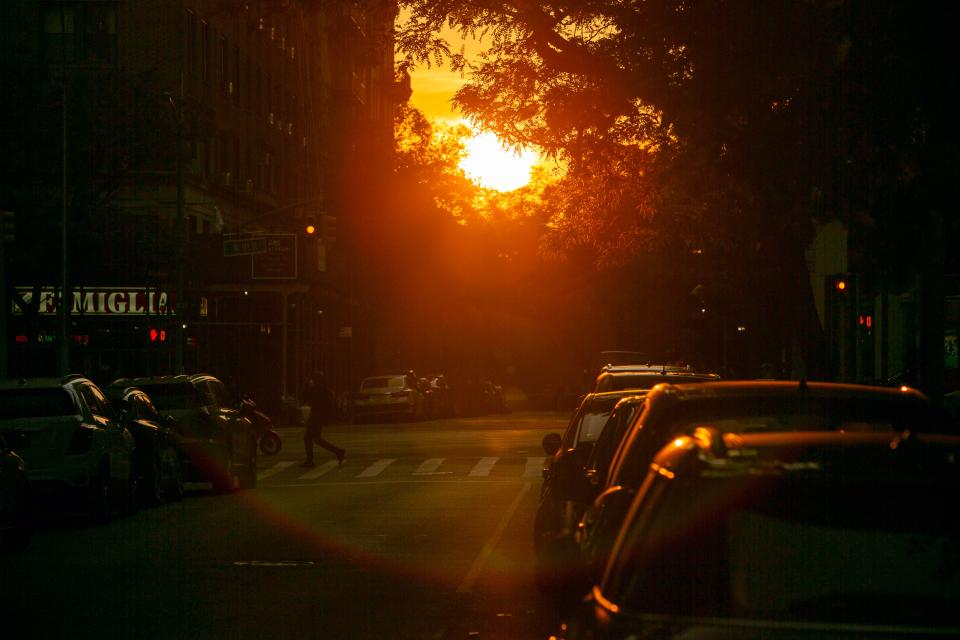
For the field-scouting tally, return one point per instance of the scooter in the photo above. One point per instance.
(269, 439)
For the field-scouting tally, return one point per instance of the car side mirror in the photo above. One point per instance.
(551, 443)
(592, 477)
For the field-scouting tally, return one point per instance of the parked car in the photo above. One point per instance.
(743, 407)
(216, 443)
(823, 534)
(391, 394)
(614, 378)
(71, 443)
(16, 526)
(157, 453)
(562, 497)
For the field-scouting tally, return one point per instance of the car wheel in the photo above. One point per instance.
(131, 493)
(223, 478)
(18, 536)
(248, 477)
(270, 443)
(173, 486)
(100, 496)
(153, 482)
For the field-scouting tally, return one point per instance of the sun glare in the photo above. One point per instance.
(489, 164)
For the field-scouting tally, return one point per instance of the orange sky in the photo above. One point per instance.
(433, 87)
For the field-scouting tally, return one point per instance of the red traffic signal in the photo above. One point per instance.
(157, 335)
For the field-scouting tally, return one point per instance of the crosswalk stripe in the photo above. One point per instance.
(376, 468)
(483, 467)
(274, 470)
(429, 466)
(319, 471)
(534, 467)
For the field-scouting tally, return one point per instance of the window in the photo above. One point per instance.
(80, 32)
(191, 42)
(236, 76)
(36, 403)
(204, 51)
(223, 54)
(96, 401)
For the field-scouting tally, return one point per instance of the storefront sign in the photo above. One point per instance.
(100, 301)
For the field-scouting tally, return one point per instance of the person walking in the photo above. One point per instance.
(321, 401)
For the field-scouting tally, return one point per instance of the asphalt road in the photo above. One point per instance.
(424, 532)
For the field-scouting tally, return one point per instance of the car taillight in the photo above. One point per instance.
(81, 441)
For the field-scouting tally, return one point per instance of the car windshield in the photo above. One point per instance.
(798, 547)
(36, 403)
(382, 382)
(167, 397)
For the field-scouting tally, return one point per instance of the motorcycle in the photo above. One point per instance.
(268, 438)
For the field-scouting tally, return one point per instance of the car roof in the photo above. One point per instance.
(750, 453)
(39, 383)
(163, 379)
(646, 366)
(774, 388)
(601, 397)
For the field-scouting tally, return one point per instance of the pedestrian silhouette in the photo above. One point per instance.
(321, 401)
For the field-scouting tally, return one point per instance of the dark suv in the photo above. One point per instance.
(218, 445)
(753, 406)
(812, 534)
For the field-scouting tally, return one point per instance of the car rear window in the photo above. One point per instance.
(827, 549)
(793, 413)
(620, 382)
(36, 403)
(167, 397)
(382, 382)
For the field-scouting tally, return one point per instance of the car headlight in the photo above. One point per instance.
(81, 441)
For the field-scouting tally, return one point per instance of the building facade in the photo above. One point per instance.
(188, 145)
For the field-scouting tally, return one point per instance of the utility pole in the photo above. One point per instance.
(64, 308)
(181, 238)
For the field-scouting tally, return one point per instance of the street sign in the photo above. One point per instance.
(244, 246)
(279, 261)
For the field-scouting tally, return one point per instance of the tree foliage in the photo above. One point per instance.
(718, 128)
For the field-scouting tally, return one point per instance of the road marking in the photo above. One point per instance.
(534, 467)
(273, 563)
(483, 467)
(470, 579)
(429, 466)
(376, 468)
(274, 470)
(319, 471)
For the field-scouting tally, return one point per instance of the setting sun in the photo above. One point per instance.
(489, 164)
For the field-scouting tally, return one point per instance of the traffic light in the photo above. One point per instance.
(841, 284)
(157, 335)
(310, 227)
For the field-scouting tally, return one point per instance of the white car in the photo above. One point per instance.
(395, 394)
(71, 442)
